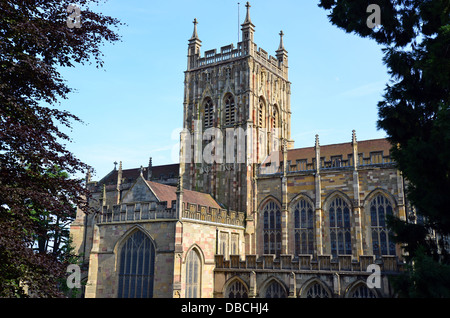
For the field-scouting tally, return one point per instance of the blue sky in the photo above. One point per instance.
(133, 107)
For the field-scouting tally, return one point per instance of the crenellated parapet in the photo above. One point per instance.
(141, 211)
(229, 52)
(137, 211)
(343, 263)
(212, 215)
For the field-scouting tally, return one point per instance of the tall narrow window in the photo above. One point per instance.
(208, 113)
(261, 114)
(382, 244)
(193, 272)
(136, 268)
(340, 228)
(276, 117)
(303, 227)
(272, 228)
(230, 111)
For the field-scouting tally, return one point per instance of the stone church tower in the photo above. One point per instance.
(236, 116)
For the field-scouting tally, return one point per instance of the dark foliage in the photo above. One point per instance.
(34, 41)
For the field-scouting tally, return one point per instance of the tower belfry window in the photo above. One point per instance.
(208, 113)
(230, 111)
(261, 115)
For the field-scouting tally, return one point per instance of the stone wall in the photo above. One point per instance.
(295, 275)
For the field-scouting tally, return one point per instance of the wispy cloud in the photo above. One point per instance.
(364, 90)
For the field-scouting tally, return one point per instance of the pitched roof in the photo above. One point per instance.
(168, 193)
(344, 149)
(171, 170)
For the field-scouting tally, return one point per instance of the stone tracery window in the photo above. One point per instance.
(237, 290)
(193, 273)
(136, 267)
(316, 290)
(362, 291)
(340, 227)
(261, 112)
(272, 228)
(276, 117)
(303, 227)
(380, 208)
(230, 110)
(275, 290)
(208, 113)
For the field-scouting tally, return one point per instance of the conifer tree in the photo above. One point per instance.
(415, 113)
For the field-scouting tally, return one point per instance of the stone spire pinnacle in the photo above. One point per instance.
(247, 17)
(281, 46)
(195, 34)
(104, 195)
(119, 183)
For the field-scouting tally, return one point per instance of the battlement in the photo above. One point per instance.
(343, 263)
(140, 211)
(212, 215)
(229, 52)
(137, 211)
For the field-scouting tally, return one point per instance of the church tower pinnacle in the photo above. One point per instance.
(248, 29)
(281, 53)
(194, 47)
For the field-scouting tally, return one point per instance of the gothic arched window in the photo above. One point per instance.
(276, 117)
(340, 227)
(230, 111)
(382, 243)
(275, 290)
(362, 291)
(193, 274)
(316, 290)
(261, 113)
(303, 227)
(208, 116)
(272, 228)
(136, 267)
(237, 290)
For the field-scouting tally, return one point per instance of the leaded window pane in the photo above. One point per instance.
(136, 268)
(193, 275)
(382, 243)
(275, 290)
(237, 290)
(272, 228)
(340, 227)
(362, 291)
(316, 290)
(304, 227)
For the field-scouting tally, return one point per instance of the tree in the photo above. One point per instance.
(415, 113)
(37, 38)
